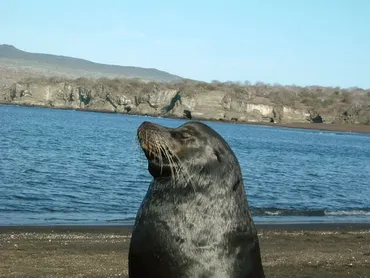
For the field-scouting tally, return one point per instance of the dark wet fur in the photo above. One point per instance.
(194, 220)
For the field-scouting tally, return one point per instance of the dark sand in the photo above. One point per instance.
(329, 127)
(323, 250)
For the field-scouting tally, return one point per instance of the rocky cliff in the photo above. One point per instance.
(189, 99)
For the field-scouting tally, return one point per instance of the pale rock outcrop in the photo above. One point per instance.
(209, 104)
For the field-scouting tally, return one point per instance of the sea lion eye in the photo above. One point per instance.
(180, 135)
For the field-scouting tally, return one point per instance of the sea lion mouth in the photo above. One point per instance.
(153, 153)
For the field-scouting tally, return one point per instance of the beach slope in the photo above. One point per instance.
(101, 251)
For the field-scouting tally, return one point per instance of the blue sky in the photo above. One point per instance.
(302, 42)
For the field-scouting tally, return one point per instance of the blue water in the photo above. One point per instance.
(73, 167)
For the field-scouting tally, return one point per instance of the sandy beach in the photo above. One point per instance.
(306, 250)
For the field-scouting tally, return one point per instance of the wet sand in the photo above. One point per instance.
(322, 250)
(329, 127)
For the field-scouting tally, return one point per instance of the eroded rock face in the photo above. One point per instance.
(154, 99)
(294, 115)
(314, 117)
(278, 114)
(353, 115)
(213, 105)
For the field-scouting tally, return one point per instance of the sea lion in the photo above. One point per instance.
(194, 220)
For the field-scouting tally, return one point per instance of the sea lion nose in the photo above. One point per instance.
(147, 125)
(144, 128)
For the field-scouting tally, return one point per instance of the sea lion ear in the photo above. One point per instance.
(218, 155)
(236, 184)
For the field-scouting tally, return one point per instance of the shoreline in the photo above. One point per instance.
(289, 250)
(332, 127)
(291, 227)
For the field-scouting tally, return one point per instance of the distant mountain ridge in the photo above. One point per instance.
(48, 64)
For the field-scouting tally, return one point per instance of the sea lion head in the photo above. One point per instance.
(190, 149)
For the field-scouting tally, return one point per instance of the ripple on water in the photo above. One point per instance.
(79, 167)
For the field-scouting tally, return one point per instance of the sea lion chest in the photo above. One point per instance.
(186, 233)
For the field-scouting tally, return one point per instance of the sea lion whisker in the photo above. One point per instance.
(182, 169)
(174, 162)
(157, 145)
(167, 156)
(171, 162)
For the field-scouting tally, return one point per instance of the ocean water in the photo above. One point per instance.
(85, 168)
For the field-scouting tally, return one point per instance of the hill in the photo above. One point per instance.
(16, 60)
(69, 83)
